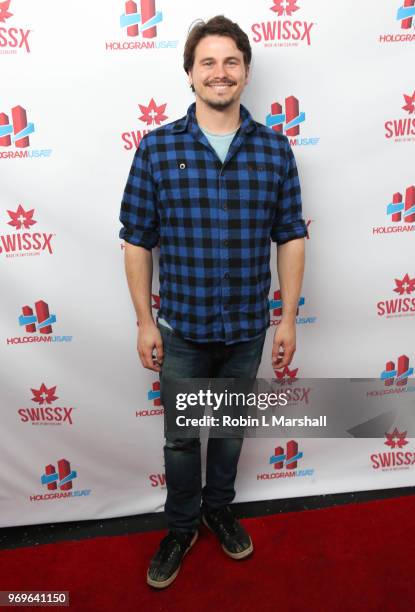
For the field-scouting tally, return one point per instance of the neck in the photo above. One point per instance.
(218, 121)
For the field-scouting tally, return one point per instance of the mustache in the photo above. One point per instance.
(223, 82)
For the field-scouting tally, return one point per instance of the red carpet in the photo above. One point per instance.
(346, 558)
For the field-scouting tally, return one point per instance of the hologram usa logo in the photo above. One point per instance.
(153, 395)
(397, 373)
(59, 482)
(403, 22)
(37, 323)
(286, 459)
(14, 135)
(139, 22)
(400, 211)
(285, 463)
(405, 14)
(288, 121)
(16, 132)
(41, 321)
(144, 22)
(276, 307)
(62, 478)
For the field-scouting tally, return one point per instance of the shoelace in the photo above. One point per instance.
(168, 546)
(226, 517)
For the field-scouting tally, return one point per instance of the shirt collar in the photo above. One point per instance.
(188, 122)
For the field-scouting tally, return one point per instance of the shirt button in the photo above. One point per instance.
(225, 243)
(225, 207)
(226, 275)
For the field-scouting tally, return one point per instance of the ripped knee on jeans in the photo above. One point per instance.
(183, 444)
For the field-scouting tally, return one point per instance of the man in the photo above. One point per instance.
(213, 189)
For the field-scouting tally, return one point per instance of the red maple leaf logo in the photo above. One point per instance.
(4, 11)
(156, 301)
(285, 7)
(406, 285)
(44, 395)
(410, 103)
(286, 374)
(21, 218)
(400, 441)
(153, 113)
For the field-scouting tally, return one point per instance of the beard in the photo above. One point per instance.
(219, 104)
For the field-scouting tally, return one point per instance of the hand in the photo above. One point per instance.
(283, 347)
(148, 339)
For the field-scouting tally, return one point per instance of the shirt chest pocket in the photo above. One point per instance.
(262, 184)
(179, 179)
(183, 191)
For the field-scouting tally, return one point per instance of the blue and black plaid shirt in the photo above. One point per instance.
(214, 223)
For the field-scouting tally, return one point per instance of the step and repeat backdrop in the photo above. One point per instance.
(82, 83)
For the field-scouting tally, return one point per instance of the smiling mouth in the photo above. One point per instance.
(220, 86)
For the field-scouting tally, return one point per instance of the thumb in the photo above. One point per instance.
(159, 351)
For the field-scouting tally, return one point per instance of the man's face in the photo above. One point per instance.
(218, 74)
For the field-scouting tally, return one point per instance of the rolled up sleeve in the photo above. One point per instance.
(288, 222)
(139, 215)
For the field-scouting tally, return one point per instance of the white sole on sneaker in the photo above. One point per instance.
(237, 556)
(157, 584)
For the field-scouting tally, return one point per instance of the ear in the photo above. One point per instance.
(190, 79)
(248, 74)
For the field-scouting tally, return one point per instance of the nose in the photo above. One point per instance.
(220, 71)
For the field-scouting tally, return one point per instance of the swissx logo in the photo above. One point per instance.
(43, 411)
(398, 457)
(287, 29)
(403, 129)
(12, 39)
(150, 115)
(296, 394)
(402, 306)
(23, 241)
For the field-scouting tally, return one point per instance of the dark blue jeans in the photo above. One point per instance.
(187, 359)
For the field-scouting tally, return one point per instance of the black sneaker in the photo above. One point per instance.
(165, 564)
(234, 539)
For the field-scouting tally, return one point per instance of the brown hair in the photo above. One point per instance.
(217, 26)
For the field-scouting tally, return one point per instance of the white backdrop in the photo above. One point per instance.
(80, 78)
